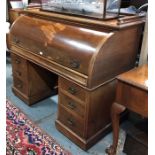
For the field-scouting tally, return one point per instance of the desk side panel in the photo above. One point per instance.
(117, 55)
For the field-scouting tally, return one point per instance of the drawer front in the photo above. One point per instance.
(20, 85)
(72, 122)
(20, 74)
(18, 62)
(72, 89)
(72, 105)
(19, 67)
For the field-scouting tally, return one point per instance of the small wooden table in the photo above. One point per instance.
(132, 93)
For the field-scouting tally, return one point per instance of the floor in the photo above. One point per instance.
(44, 113)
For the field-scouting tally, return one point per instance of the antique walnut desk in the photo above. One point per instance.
(84, 56)
(131, 93)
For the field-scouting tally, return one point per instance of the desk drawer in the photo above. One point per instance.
(18, 62)
(20, 85)
(19, 67)
(72, 89)
(74, 106)
(22, 75)
(76, 124)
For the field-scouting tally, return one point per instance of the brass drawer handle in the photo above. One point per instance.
(75, 64)
(19, 86)
(17, 61)
(18, 73)
(71, 105)
(70, 122)
(72, 90)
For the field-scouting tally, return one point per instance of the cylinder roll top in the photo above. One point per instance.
(70, 46)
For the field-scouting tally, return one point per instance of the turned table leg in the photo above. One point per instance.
(116, 109)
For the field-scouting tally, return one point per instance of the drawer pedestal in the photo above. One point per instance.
(83, 115)
(30, 82)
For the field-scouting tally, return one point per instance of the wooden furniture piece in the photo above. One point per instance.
(31, 83)
(86, 55)
(132, 93)
(14, 14)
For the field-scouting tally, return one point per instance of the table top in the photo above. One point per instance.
(137, 77)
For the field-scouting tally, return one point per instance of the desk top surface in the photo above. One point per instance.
(137, 77)
(115, 24)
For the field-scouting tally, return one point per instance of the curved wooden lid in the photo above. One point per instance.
(58, 41)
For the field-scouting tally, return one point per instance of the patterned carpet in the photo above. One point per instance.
(23, 137)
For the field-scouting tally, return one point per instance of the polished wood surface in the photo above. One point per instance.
(132, 93)
(86, 55)
(137, 77)
(14, 14)
(58, 42)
